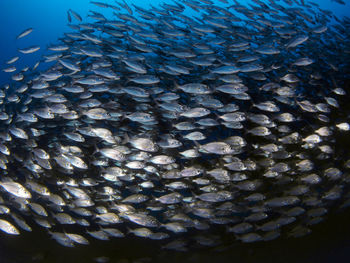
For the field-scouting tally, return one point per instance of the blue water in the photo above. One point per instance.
(49, 20)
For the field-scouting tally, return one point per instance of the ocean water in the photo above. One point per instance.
(329, 241)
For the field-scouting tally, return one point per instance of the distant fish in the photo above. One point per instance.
(69, 17)
(76, 15)
(29, 50)
(297, 41)
(10, 69)
(12, 60)
(339, 2)
(25, 33)
(100, 4)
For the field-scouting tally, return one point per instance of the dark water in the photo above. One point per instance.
(329, 242)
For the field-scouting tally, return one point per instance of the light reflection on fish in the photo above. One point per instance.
(155, 123)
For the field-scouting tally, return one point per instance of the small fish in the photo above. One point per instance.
(29, 50)
(76, 15)
(12, 60)
(339, 2)
(16, 189)
(298, 40)
(8, 228)
(25, 33)
(69, 17)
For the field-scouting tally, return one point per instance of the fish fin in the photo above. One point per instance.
(197, 145)
(96, 149)
(126, 138)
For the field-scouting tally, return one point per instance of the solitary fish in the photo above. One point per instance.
(25, 33)
(29, 50)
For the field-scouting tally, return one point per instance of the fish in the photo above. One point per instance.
(75, 15)
(29, 50)
(25, 33)
(339, 2)
(230, 123)
(69, 17)
(16, 189)
(12, 60)
(8, 228)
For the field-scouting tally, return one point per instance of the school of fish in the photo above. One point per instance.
(180, 128)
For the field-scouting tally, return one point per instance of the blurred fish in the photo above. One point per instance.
(75, 15)
(339, 2)
(25, 33)
(29, 50)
